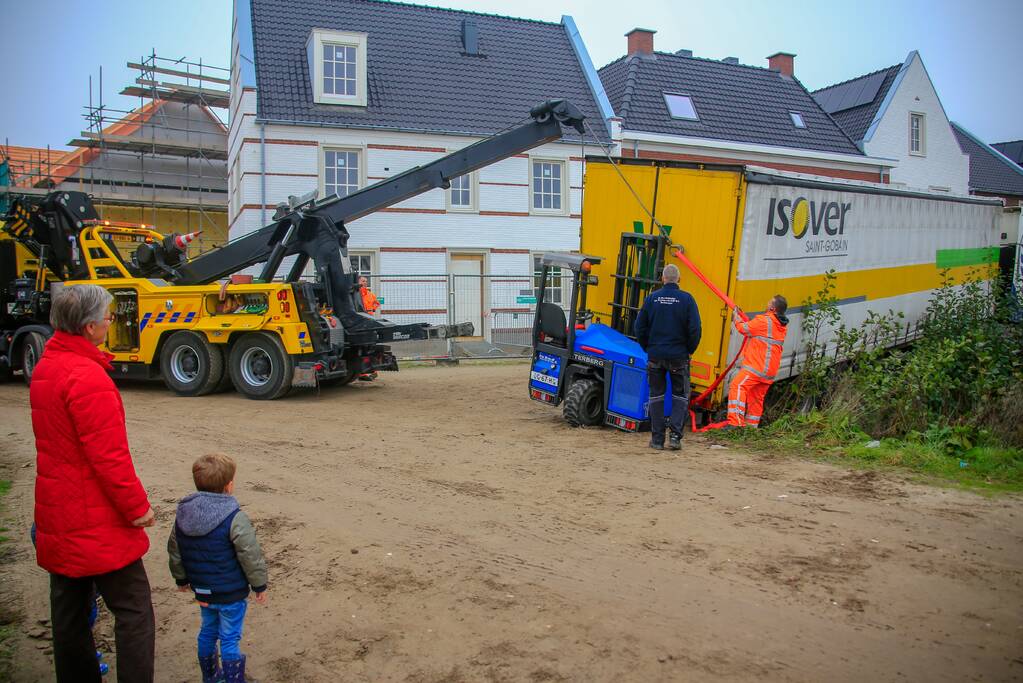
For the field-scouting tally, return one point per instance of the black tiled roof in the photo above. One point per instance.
(419, 78)
(989, 171)
(1013, 150)
(856, 120)
(735, 102)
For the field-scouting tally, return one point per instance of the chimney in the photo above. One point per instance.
(641, 41)
(783, 62)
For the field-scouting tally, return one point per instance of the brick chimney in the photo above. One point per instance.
(641, 41)
(783, 62)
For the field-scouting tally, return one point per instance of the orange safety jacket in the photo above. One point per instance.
(369, 301)
(762, 356)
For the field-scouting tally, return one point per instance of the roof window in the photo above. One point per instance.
(797, 119)
(681, 107)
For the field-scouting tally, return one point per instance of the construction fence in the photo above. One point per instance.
(501, 309)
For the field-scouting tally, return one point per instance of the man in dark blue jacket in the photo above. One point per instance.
(668, 329)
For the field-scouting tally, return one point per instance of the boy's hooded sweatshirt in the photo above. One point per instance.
(214, 548)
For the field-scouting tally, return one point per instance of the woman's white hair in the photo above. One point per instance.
(74, 307)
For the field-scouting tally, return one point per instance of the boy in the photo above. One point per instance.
(213, 549)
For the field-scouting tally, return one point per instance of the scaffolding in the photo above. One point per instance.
(169, 152)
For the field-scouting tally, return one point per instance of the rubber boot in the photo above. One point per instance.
(211, 671)
(234, 671)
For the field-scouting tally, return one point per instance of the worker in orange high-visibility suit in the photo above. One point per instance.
(369, 299)
(760, 362)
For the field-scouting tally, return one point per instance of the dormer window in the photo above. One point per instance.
(797, 119)
(337, 66)
(681, 107)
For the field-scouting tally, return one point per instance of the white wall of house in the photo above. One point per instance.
(941, 164)
(414, 236)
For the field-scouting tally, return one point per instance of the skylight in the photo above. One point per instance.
(681, 107)
(797, 119)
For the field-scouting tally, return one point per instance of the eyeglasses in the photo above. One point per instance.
(109, 318)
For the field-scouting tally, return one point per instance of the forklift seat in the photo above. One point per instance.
(552, 322)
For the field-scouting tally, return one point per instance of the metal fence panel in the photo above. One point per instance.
(500, 307)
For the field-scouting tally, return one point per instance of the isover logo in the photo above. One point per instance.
(802, 216)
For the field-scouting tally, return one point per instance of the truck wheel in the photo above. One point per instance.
(584, 403)
(190, 365)
(31, 351)
(260, 367)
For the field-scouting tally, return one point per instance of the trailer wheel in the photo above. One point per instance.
(584, 403)
(260, 367)
(190, 365)
(31, 351)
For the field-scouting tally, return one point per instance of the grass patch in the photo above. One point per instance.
(937, 455)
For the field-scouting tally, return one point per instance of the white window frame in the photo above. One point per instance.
(922, 151)
(802, 119)
(474, 194)
(322, 162)
(372, 256)
(564, 284)
(320, 37)
(565, 185)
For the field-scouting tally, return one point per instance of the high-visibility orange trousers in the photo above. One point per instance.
(746, 399)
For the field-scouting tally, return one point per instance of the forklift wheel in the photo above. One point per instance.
(190, 365)
(584, 403)
(260, 366)
(31, 351)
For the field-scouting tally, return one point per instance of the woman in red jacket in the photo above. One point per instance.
(90, 507)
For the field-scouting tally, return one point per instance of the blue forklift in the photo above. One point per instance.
(596, 372)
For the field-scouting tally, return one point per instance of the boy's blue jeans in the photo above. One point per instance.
(224, 623)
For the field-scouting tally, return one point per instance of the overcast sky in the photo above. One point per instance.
(972, 50)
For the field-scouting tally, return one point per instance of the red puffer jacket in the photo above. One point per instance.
(87, 492)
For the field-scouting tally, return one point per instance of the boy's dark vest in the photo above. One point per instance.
(211, 564)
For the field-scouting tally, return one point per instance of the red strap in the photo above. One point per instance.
(702, 398)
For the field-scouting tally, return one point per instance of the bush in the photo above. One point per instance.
(956, 389)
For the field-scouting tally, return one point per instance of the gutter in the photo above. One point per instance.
(790, 152)
(394, 129)
(589, 71)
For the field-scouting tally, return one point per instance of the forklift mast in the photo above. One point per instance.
(315, 230)
(640, 262)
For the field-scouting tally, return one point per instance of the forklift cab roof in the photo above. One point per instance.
(571, 261)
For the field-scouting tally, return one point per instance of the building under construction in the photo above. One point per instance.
(162, 162)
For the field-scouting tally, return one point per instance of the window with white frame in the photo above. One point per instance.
(337, 65)
(362, 264)
(555, 280)
(462, 193)
(340, 172)
(548, 185)
(917, 134)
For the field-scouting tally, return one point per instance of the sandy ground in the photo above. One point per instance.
(439, 526)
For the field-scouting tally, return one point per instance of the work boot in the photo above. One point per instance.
(210, 667)
(234, 671)
(656, 445)
(675, 442)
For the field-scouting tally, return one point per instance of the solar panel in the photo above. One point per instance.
(852, 94)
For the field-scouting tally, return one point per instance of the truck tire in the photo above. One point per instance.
(260, 367)
(584, 403)
(190, 365)
(31, 351)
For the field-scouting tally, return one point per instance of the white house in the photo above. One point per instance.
(338, 94)
(896, 113)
